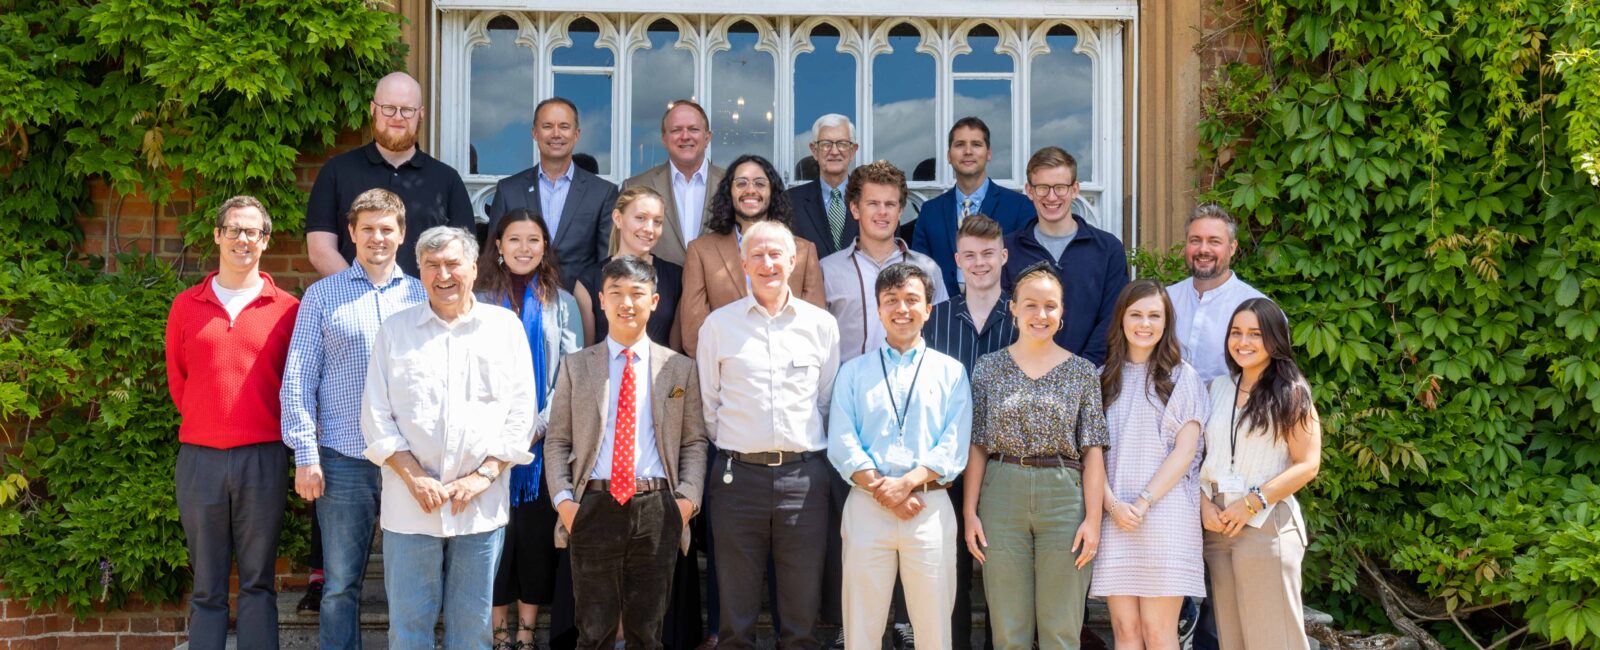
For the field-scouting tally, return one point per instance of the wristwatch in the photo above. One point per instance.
(487, 472)
(1145, 494)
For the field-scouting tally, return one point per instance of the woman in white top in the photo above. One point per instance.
(1263, 443)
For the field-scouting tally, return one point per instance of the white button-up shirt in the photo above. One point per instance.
(849, 280)
(454, 395)
(689, 195)
(766, 378)
(1201, 322)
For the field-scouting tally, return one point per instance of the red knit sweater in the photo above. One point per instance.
(223, 376)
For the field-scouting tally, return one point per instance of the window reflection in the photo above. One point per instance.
(824, 82)
(1063, 99)
(988, 99)
(661, 73)
(502, 113)
(583, 51)
(742, 96)
(902, 102)
(588, 88)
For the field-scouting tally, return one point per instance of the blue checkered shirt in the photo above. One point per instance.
(327, 367)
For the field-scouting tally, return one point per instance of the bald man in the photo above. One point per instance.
(431, 190)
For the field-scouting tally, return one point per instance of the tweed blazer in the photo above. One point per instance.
(713, 277)
(578, 412)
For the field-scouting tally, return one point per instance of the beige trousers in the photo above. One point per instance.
(877, 546)
(1255, 583)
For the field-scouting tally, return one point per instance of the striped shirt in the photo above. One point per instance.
(327, 367)
(951, 331)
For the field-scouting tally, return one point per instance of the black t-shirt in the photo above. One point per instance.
(669, 285)
(431, 190)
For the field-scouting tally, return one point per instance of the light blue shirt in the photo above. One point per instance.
(863, 426)
(326, 369)
(553, 196)
(977, 199)
(646, 457)
(844, 191)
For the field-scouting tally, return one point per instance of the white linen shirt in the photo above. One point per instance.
(1201, 322)
(454, 395)
(689, 193)
(766, 379)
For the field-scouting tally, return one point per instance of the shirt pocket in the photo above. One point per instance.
(802, 372)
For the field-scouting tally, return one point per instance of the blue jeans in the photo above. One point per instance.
(347, 513)
(422, 572)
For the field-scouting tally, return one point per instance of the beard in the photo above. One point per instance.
(1216, 270)
(394, 142)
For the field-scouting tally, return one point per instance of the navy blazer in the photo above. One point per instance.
(1093, 269)
(935, 233)
(811, 219)
(583, 235)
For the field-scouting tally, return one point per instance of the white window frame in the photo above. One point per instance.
(784, 28)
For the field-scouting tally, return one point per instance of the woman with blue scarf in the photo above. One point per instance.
(515, 273)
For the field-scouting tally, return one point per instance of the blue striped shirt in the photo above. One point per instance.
(950, 330)
(326, 371)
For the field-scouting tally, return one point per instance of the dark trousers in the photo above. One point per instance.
(623, 558)
(961, 616)
(231, 504)
(776, 513)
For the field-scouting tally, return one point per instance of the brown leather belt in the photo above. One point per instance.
(1038, 461)
(640, 486)
(772, 458)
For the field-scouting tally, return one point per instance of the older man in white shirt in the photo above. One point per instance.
(449, 406)
(767, 364)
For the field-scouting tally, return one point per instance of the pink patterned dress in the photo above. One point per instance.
(1162, 556)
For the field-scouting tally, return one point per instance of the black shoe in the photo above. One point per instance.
(1188, 620)
(312, 601)
(838, 643)
(904, 638)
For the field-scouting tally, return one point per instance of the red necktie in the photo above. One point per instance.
(622, 483)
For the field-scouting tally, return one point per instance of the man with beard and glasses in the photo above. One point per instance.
(1202, 307)
(431, 190)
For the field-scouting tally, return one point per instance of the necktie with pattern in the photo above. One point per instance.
(836, 216)
(966, 211)
(622, 479)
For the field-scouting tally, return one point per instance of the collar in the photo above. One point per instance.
(359, 272)
(417, 160)
(641, 349)
(567, 175)
(958, 303)
(753, 305)
(899, 244)
(826, 188)
(702, 173)
(898, 358)
(425, 313)
(1084, 232)
(269, 290)
(977, 197)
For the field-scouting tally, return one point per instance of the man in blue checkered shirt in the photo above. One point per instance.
(321, 397)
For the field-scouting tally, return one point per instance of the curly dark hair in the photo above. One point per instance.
(779, 209)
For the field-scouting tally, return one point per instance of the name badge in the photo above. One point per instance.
(1231, 484)
(898, 457)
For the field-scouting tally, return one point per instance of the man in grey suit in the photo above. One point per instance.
(625, 461)
(575, 203)
(686, 179)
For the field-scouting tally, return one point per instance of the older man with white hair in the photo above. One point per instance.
(449, 407)
(822, 216)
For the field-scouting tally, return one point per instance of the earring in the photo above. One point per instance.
(500, 259)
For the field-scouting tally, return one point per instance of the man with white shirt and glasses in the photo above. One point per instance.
(449, 406)
(321, 396)
(1202, 307)
(767, 363)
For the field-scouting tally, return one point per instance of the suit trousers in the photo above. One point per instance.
(231, 504)
(1255, 583)
(778, 513)
(623, 557)
(922, 550)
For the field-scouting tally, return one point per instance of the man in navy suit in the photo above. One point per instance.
(821, 214)
(575, 204)
(974, 193)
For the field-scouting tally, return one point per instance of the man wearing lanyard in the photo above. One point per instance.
(899, 430)
(876, 193)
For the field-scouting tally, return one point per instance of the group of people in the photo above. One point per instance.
(558, 414)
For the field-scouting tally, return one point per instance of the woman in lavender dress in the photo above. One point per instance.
(1151, 558)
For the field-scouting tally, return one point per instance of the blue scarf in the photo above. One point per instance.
(525, 478)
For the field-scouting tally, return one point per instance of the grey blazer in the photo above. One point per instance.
(578, 411)
(583, 233)
(672, 244)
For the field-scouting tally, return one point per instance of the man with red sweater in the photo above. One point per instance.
(227, 339)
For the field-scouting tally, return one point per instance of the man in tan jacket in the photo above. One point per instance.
(625, 464)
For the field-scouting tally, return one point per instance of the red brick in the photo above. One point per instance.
(173, 624)
(12, 628)
(116, 624)
(59, 623)
(141, 625)
(33, 644)
(162, 642)
(94, 642)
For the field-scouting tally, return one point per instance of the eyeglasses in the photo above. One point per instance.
(747, 183)
(249, 234)
(1062, 189)
(406, 112)
(830, 145)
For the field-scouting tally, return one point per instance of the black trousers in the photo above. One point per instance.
(777, 513)
(231, 504)
(623, 560)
